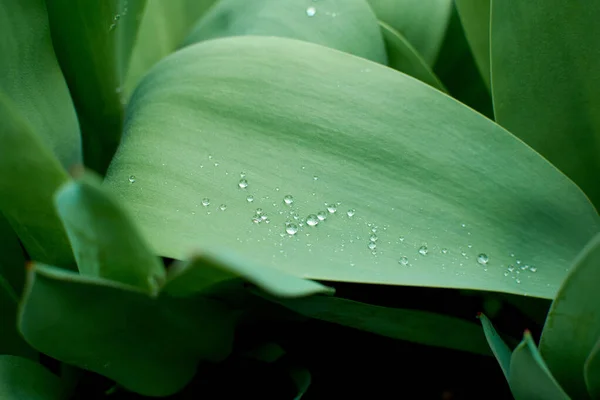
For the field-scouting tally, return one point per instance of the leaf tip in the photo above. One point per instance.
(77, 171)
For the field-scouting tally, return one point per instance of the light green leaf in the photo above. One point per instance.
(148, 345)
(397, 323)
(404, 156)
(31, 78)
(592, 372)
(499, 348)
(403, 57)
(206, 270)
(346, 25)
(105, 242)
(475, 18)
(529, 377)
(422, 22)
(29, 175)
(546, 85)
(93, 43)
(573, 324)
(164, 26)
(24, 379)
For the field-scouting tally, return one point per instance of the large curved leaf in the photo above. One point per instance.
(31, 78)
(573, 324)
(501, 351)
(422, 22)
(346, 25)
(24, 379)
(426, 176)
(546, 85)
(475, 18)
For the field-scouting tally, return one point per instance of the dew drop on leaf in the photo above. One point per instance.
(351, 212)
(403, 261)
(372, 245)
(131, 178)
(206, 202)
(243, 183)
(322, 215)
(288, 199)
(423, 250)
(312, 220)
(291, 229)
(311, 11)
(249, 198)
(483, 259)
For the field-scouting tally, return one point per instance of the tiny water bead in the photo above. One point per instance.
(315, 178)
(483, 259)
(291, 229)
(312, 220)
(401, 239)
(205, 202)
(510, 268)
(243, 183)
(249, 198)
(444, 251)
(403, 260)
(373, 238)
(423, 250)
(311, 11)
(372, 245)
(331, 208)
(351, 212)
(223, 207)
(533, 269)
(242, 175)
(288, 199)
(131, 178)
(322, 215)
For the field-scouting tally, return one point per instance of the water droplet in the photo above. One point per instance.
(311, 11)
(470, 246)
(518, 280)
(483, 259)
(444, 251)
(506, 273)
(351, 212)
(423, 250)
(510, 268)
(463, 225)
(242, 175)
(401, 238)
(243, 183)
(249, 198)
(524, 267)
(462, 253)
(373, 237)
(403, 261)
(264, 217)
(518, 262)
(322, 215)
(315, 178)
(259, 211)
(312, 220)
(131, 178)
(533, 269)
(288, 199)
(332, 208)
(205, 202)
(372, 245)
(291, 229)
(256, 219)
(223, 207)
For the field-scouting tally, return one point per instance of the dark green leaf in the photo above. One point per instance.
(346, 25)
(105, 242)
(592, 372)
(475, 18)
(23, 379)
(546, 85)
(573, 324)
(148, 345)
(404, 156)
(496, 343)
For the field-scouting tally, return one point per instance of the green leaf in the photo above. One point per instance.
(24, 379)
(592, 371)
(404, 156)
(164, 26)
(32, 80)
(105, 242)
(12, 278)
(346, 25)
(529, 377)
(546, 85)
(499, 348)
(422, 22)
(475, 18)
(29, 175)
(148, 345)
(412, 325)
(403, 57)
(93, 43)
(207, 270)
(573, 324)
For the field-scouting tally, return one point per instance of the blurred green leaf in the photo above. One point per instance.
(422, 22)
(206, 270)
(163, 27)
(29, 175)
(23, 379)
(404, 324)
(529, 377)
(148, 345)
(346, 25)
(105, 242)
(499, 348)
(93, 43)
(12, 277)
(404, 156)
(403, 57)
(475, 18)
(573, 324)
(592, 372)
(546, 85)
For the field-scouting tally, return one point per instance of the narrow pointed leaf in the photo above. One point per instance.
(24, 379)
(346, 25)
(418, 164)
(499, 348)
(207, 270)
(529, 377)
(592, 372)
(422, 22)
(105, 241)
(29, 175)
(31, 78)
(403, 57)
(546, 86)
(475, 18)
(164, 26)
(147, 345)
(93, 43)
(573, 324)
